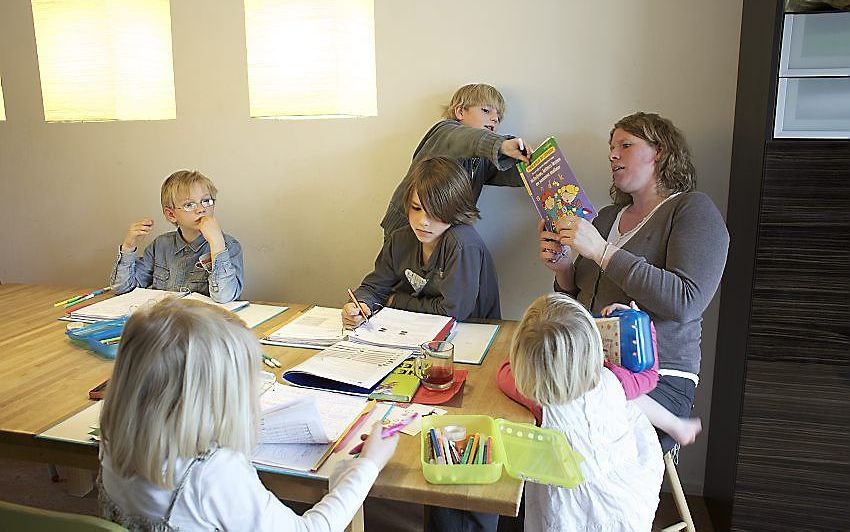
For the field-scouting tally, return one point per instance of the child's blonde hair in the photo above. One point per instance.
(177, 185)
(556, 351)
(186, 380)
(475, 94)
(444, 190)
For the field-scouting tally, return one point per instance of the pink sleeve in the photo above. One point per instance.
(637, 384)
(505, 380)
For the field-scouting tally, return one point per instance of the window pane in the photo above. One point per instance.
(105, 59)
(309, 58)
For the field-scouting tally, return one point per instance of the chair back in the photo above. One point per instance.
(19, 517)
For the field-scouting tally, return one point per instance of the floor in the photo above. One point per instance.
(29, 483)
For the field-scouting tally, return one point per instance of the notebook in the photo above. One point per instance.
(472, 341)
(315, 328)
(124, 305)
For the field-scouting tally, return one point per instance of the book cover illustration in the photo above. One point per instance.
(609, 330)
(400, 385)
(553, 187)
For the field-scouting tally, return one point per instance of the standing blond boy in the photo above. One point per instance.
(197, 257)
(467, 135)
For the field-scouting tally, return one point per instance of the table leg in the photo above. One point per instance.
(79, 481)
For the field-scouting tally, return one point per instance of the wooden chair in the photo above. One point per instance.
(687, 522)
(19, 517)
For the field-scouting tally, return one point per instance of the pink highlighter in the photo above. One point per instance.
(386, 432)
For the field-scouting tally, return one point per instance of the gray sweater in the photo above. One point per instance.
(477, 150)
(671, 268)
(459, 279)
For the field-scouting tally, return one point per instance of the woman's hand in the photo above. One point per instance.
(555, 256)
(582, 236)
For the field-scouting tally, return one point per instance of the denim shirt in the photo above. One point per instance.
(170, 263)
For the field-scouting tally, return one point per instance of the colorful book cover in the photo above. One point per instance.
(400, 385)
(554, 189)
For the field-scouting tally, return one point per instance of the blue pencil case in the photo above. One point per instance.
(92, 336)
(627, 339)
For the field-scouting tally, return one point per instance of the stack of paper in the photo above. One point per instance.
(316, 328)
(124, 305)
(299, 427)
(403, 329)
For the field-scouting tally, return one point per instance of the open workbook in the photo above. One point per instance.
(316, 328)
(403, 329)
(299, 427)
(346, 367)
(124, 305)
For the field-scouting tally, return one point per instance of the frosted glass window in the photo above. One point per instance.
(813, 108)
(105, 59)
(311, 58)
(2, 105)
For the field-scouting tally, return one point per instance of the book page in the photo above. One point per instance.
(298, 421)
(400, 328)
(336, 411)
(295, 456)
(353, 363)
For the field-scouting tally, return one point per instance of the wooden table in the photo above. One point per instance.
(44, 379)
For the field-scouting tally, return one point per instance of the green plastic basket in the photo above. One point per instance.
(527, 452)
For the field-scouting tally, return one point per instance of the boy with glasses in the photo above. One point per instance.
(197, 257)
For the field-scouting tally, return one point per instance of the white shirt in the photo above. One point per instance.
(225, 493)
(622, 466)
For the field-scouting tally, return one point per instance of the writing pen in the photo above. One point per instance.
(357, 304)
(386, 432)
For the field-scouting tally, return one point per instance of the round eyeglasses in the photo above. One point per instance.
(191, 206)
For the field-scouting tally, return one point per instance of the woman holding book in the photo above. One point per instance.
(661, 245)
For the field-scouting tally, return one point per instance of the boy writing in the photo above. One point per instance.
(197, 257)
(467, 135)
(437, 263)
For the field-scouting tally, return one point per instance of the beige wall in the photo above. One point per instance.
(305, 197)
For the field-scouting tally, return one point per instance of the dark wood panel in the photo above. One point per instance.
(758, 66)
(801, 282)
(793, 459)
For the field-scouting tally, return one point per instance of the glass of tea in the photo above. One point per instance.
(435, 365)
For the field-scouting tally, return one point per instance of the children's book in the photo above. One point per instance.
(399, 386)
(553, 187)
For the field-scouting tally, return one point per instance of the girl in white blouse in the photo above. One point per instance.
(179, 423)
(556, 358)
